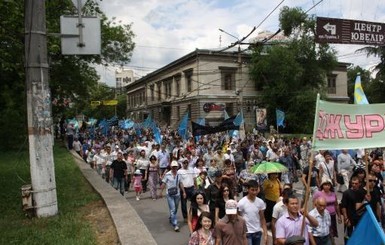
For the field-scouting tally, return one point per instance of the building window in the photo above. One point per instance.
(152, 93)
(177, 86)
(159, 91)
(228, 78)
(178, 113)
(332, 80)
(189, 110)
(167, 88)
(188, 76)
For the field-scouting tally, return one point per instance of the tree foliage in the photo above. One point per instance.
(73, 79)
(374, 88)
(290, 74)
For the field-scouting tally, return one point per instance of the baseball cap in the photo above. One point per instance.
(231, 207)
(174, 164)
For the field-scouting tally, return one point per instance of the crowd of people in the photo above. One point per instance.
(222, 200)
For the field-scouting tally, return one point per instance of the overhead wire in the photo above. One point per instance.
(239, 41)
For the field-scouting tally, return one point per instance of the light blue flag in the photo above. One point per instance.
(182, 129)
(237, 122)
(148, 122)
(368, 231)
(280, 117)
(103, 125)
(200, 121)
(359, 95)
(157, 136)
(225, 115)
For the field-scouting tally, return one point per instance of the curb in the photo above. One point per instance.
(129, 226)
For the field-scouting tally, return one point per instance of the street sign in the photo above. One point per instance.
(330, 30)
(70, 37)
(110, 102)
(95, 103)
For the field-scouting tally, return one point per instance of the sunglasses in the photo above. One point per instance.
(372, 180)
(226, 190)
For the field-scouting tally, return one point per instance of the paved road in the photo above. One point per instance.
(155, 216)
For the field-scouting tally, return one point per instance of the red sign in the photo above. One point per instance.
(213, 107)
(331, 30)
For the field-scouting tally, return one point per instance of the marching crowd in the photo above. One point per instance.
(222, 200)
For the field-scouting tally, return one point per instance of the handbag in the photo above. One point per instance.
(172, 191)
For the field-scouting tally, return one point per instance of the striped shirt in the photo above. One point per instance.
(324, 222)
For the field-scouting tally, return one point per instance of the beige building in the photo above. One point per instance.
(123, 77)
(205, 83)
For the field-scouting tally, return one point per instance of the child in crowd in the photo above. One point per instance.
(137, 183)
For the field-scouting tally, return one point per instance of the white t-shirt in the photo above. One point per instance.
(279, 209)
(250, 212)
(187, 177)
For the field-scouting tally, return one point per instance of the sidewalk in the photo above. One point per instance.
(129, 226)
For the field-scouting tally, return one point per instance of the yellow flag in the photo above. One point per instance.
(95, 103)
(110, 102)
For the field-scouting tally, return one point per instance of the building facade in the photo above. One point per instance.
(123, 77)
(205, 84)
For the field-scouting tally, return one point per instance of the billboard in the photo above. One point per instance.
(330, 30)
(260, 115)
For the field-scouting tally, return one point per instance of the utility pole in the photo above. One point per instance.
(39, 110)
(239, 92)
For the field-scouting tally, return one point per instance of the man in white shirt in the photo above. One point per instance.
(279, 209)
(252, 210)
(320, 235)
(188, 179)
(164, 159)
(345, 164)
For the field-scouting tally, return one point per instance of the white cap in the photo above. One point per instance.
(174, 164)
(231, 207)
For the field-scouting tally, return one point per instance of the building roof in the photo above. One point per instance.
(191, 55)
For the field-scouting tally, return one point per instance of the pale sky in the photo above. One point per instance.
(169, 29)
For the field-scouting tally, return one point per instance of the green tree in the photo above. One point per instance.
(72, 78)
(290, 74)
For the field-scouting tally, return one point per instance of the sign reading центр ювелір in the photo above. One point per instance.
(348, 126)
(330, 30)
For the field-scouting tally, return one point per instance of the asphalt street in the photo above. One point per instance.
(154, 214)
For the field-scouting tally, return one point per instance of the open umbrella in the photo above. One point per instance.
(268, 167)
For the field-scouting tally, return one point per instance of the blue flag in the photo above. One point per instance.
(182, 129)
(280, 117)
(368, 231)
(225, 115)
(359, 95)
(237, 122)
(201, 121)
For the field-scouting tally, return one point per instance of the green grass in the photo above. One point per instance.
(73, 193)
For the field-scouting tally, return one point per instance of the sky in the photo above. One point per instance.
(166, 30)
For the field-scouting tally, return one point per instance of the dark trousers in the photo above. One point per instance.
(183, 201)
(269, 210)
(323, 240)
(70, 139)
(144, 180)
(348, 233)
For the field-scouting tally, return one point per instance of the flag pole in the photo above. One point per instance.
(307, 193)
(367, 172)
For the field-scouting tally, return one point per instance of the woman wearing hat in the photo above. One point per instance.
(326, 191)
